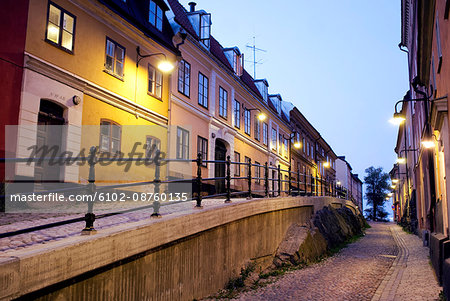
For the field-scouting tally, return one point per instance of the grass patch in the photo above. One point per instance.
(442, 296)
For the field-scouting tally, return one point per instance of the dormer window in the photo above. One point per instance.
(155, 16)
(205, 29)
(235, 58)
(263, 88)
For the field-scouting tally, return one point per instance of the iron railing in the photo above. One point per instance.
(293, 184)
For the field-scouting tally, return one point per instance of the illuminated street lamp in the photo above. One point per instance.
(393, 186)
(326, 164)
(164, 66)
(401, 160)
(397, 119)
(395, 181)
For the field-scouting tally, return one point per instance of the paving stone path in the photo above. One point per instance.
(386, 264)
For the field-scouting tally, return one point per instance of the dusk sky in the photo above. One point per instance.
(337, 61)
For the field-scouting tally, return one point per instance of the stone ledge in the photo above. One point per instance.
(39, 266)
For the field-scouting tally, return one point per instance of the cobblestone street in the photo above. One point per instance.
(386, 264)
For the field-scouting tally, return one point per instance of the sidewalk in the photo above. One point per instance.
(386, 264)
(410, 276)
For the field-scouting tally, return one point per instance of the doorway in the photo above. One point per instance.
(48, 143)
(220, 153)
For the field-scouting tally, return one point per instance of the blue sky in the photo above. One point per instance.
(337, 61)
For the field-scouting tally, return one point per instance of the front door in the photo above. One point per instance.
(219, 168)
(49, 136)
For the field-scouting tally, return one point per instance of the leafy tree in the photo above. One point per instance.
(377, 188)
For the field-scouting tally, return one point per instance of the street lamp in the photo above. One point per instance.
(395, 181)
(164, 66)
(401, 160)
(261, 116)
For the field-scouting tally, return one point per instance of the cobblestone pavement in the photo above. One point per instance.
(357, 271)
(12, 221)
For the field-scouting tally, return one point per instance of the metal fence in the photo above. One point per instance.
(293, 184)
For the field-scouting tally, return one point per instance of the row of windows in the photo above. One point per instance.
(61, 33)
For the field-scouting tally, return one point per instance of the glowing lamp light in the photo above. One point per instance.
(326, 164)
(338, 183)
(397, 119)
(165, 66)
(393, 186)
(297, 145)
(390, 194)
(428, 143)
(387, 198)
(401, 160)
(262, 116)
(395, 181)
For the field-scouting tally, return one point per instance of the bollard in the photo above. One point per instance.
(89, 217)
(199, 182)
(157, 181)
(279, 180)
(266, 180)
(228, 199)
(249, 179)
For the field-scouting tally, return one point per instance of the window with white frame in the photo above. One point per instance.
(182, 143)
(155, 16)
(110, 136)
(257, 172)
(202, 148)
(203, 90)
(205, 29)
(285, 144)
(154, 81)
(60, 27)
(114, 60)
(274, 139)
(152, 146)
(257, 129)
(184, 77)
(223, 103)
(237, 167)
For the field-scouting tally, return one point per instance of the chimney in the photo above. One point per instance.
(192, 6)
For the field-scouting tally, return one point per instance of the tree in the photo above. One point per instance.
(377, 188)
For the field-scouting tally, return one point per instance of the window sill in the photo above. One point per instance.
(154, 96)
(113, 74)
(58, 46)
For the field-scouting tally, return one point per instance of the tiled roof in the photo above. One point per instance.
(248, 80)
(217, 50)
(181, 17)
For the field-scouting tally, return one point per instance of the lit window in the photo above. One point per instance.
(274, 139)
(182, 143)
(155, 16)
(110, 135)
(237, 114)
(115, 55)
(154, 81)
(60, 28)
(202, 90)
(223, 102)
(152, 146)
(184, 77)
(265, 133)
(247, 119)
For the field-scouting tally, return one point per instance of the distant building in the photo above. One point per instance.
(349, 184)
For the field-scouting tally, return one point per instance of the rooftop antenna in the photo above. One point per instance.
(254, 61)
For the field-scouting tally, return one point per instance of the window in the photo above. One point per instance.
(202, 90)
(438, 41)
(274, 139)
(182, 143)
(304, 145)
(223, 102)
(307, 147)
(202, 148)
(184, 77)
(247, 118)
(237, 167)
(280, 143)
(152, 146)
(312, 151)
(115, 55)
(265, 133)
(247, 161)
(237, 114)
(60, 28)
(110, 134)
(285, 144)
(205, 28)
(155, 16)
(154, 81)
(257, 172)
(257, 129)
